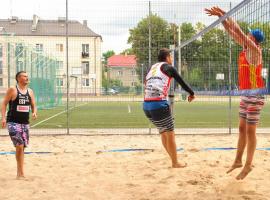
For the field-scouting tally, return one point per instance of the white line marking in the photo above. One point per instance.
(55, 115)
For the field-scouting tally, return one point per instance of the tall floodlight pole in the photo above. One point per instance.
(150, 38)
(179, 54)
(149, 46)
(9, 65)
(172, 86)
(67, 67)
(179, 51)
(230, 81)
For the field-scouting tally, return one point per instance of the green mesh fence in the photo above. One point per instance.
(40, 67)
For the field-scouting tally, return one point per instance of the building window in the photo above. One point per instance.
(85, 81)
(60, 65)
(60, 82)
(39, 47)
(133, 84)
(120, 73)
(85, 50)
(1, 67)
(1, 82)
(133, 73)
(1, 51)
(59, 47)
(85, 67)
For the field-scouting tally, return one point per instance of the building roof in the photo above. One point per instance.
(122, 61)
(21, 27)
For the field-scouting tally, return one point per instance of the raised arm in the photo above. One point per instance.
(234, 30)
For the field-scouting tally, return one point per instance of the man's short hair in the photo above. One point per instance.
(18, 74)
(163, 54)
(257, 34)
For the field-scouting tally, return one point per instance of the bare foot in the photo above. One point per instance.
(234, 166)
(245, 171)
(21, 177)
(179, 165)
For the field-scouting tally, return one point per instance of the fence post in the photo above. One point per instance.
(67, 67)
(172, 86)
(230, 81)
(149, 46)
(8, 64)
(149, 37)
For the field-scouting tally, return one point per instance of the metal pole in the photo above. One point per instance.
(8, 64)
(230, 82)
(150, 37)
(142, 79)
(179, 55)
(76, 91)
(179, 51)
(95, 80)
(67, 70)
(171, 91)
(31, 64)
(209, 63)
(149, 47)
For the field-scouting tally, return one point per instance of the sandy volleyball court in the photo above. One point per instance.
(75, 171)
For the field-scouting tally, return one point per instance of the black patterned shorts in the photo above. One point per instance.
(161, 118)
(19, 133)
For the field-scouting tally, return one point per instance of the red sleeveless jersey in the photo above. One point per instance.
(249, 75)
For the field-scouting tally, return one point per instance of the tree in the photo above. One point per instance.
(127, 52)
(195, 76)
(190, 52)
(187, 31)
(139, 39)
(105, 56)
(201, 59)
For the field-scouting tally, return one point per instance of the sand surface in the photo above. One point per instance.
(78, 170)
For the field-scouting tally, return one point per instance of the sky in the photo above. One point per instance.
(112, 19)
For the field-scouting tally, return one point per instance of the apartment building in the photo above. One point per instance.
(123, 68)
(49, 37)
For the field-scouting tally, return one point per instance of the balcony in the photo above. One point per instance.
(85, 54)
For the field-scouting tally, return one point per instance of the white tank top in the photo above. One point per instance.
(157, 84)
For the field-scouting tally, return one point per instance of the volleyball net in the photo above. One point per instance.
(210, 59)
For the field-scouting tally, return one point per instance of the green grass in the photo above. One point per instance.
(116, 115)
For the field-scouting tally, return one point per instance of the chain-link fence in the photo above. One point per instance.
(88, 61)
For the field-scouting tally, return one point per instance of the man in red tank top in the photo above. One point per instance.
(249, 70)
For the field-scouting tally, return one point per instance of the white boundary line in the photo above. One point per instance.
(34, 125)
